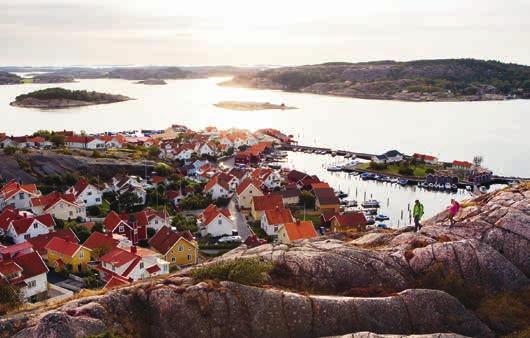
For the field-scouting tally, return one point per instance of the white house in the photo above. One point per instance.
(272, 220)
(86, 193)
(270, 179)
(183, 152)
(96, 143)
(215, 222)
(245, 191)
(206, 149)
(392, 156)
(217, 187)
(20, 230)
(28, 271)
(60, 206)
(17, 195)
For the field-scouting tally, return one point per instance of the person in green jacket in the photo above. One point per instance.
(417, 213)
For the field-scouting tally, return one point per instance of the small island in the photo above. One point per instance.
(251, 106)
(63, 98)
(152, 82)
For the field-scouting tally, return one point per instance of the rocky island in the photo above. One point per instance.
(52, 78)
(152, 82)
(9, 78)
(64, 98)
(250, 106)
(423, 80)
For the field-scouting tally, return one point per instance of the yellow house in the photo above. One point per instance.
(296, 230)
(326, 200)
(178, 248)
(246, 191)
(62, 253)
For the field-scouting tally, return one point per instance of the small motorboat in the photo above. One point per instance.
(370, 220)
(341, 194)
(454, 187)
(370, 204)
(367, 176)
(381, 217)
(352, 203)
(403, 181)
(448, 186)
(469, 188)
(483, 189)
(430, 185)
(382, 226)
(334, 168)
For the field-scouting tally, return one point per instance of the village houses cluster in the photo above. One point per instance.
(131, 246)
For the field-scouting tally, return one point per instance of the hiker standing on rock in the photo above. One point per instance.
(453, 210)
(417, 213)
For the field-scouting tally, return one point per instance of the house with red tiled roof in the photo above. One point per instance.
(39, 242)
(326, 200)
(100, 243)
(296, 231)
(26, 271)
(273, 219)
(218, 187)
(246, 190)
(10, 214)
(84, 142)
(18, 195)
(128, 266)
(125, 225)
(349, 222)
(266, 202)
(426, 158)
(22, 229)
(86, 193)
(178, 248)
(175, 196)
(215, 222)
(462, 165)
(269, 178)
(60, 206)
(66, 255)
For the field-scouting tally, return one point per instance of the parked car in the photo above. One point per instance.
(230, 239)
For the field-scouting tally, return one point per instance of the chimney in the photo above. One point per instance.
(133, 249)
(298, 222)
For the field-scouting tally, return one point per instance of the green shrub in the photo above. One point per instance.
(377, 166)
(10, 150)
(407, 171)
(248, 271)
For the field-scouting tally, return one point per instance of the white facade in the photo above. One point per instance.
(219, 226)
(96, 144)
(21, 200)
(217, 191)
(35, 285)
(90, 196)
(184, 154)
(63, 210)
(35, 229)
(157, 222)
(270, 229)
(244, 199)
(274, 180)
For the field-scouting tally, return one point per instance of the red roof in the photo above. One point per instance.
(211, 212)
(100, 240)
(267, 202)
(32, 264)
(39, 242)
(300, 230)
(278, 216)
(153, 269)
(172, 194)
(165, 239)
(119, 257)
(115, 281)
(464, 164)
(351, 219)
(319, 185)
(261, 173)
(78, 139)
(112, 221)
(216, 180)
(80, 186)
(51, 199)
(424, 157)
(326, 196)
(62, 246)
(244, 185)
(13, 187)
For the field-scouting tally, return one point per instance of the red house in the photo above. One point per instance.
(126, 225)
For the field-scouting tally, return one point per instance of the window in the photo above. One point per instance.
(27, 236)
(173, 259)
(189, 257)
(85, 201)
(89, 193)
(219, 221)
(141, 265)
(98, 199)
(156, 221)
(32, 284)
(81, 254)
(181, 248)
(71, 213)
(121, 229)
(21, 195)
(35, 225)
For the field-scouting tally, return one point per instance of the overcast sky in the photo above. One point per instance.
(169, 32)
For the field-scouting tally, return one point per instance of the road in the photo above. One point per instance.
(242, 227)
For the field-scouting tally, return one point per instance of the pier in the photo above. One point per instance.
(496, 179)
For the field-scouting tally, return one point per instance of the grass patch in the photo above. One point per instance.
(248, 271)
(317, 222)
(418, 170)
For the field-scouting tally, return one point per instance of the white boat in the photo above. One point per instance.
(448, 186)
(334, 168)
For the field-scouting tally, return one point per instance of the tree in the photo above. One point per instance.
(162, 169)
(183, 223)
(307, 199)
(477, 160)
(153, 151)
(10, 297)
(57, 140)
(128, 201)
(10, 150)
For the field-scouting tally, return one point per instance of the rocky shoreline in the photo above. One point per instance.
(251, 106)
(384, 281)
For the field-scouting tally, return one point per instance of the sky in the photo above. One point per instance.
(246, 32)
